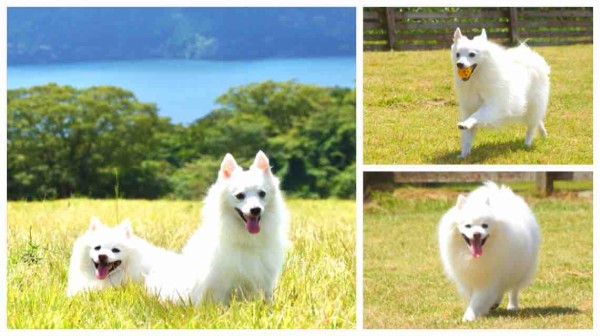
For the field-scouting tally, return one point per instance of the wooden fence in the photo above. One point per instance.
(544, 180)
(395, 28)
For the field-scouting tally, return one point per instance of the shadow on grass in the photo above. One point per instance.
(533, 312)
(480, 153)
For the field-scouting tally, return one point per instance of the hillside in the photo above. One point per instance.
(53, 35)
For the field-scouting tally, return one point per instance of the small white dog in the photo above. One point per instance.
(496, 85)
(489, 243)
(108, 257)
(241, 244)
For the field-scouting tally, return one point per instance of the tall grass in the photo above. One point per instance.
(316, 289)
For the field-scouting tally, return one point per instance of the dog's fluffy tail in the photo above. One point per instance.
(498, 190)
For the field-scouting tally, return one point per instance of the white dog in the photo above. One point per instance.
(496, 85)
(107, 257)
(489, 243)
(241, 244)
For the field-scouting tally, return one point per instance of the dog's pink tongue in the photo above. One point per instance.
(475, 247)
(102, 272)
(252, 224)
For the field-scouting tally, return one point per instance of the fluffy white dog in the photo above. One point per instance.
(241, 244)
(489, 243)
(107, 257)
(495, 85)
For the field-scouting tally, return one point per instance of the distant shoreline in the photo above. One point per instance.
(156, 59)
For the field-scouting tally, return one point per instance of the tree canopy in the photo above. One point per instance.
(64, 141)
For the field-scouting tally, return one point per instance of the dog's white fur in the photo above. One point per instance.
(137, 256)
(226, 254)
(507, 85)
(509, 259)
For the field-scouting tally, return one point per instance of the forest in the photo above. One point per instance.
(101, 142)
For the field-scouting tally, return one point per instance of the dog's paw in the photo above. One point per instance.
(469, 316)
(512, 307)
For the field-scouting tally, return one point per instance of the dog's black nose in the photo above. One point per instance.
(476, 235)
(255, 211)
(103, 258)
(460, 65)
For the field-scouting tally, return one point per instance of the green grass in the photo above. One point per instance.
(405, 286)
(410, 112)
(316, 290)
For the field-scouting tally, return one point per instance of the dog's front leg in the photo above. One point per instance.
(468, 123)
(484, 116)
(466, 142)
(480, 304)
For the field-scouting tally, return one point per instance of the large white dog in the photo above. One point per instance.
(489, 243)
(495, 85)
(241, 244)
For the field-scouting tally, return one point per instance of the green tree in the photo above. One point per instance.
(64, 141)
(280, 102)
(318, 154)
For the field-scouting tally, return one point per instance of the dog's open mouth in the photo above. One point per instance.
(465, 73)
(475, 245)
(103, 269)
(251, 221)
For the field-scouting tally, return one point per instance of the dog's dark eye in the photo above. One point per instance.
(485, 226)
(116, 250)
(472, 54)
(262, 194)
(457, 55)
(468, 226)
(240, 196)
(97, 248)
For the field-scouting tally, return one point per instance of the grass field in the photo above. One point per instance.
(410, 112)
(405, 286)
(316, 290)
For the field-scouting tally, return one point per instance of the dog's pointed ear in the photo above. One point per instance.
(457, 34)
(483, 34)
(95, 224)
(126, 227)
(460, 202)
(228, 166)
(261, 161)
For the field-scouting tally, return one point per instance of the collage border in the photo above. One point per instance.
(359, 162)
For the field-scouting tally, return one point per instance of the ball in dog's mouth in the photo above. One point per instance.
(103, 269)
(465, 73)
(475, 245)
(251, 222)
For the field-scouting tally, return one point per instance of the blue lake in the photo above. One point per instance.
(185, 90)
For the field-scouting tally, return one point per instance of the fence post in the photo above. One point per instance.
(544, 183)
(391, 26)
(513, 28)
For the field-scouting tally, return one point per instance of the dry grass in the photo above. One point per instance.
(316, 290)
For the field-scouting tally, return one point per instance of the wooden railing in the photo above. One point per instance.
(544, 180)
(394, 28)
